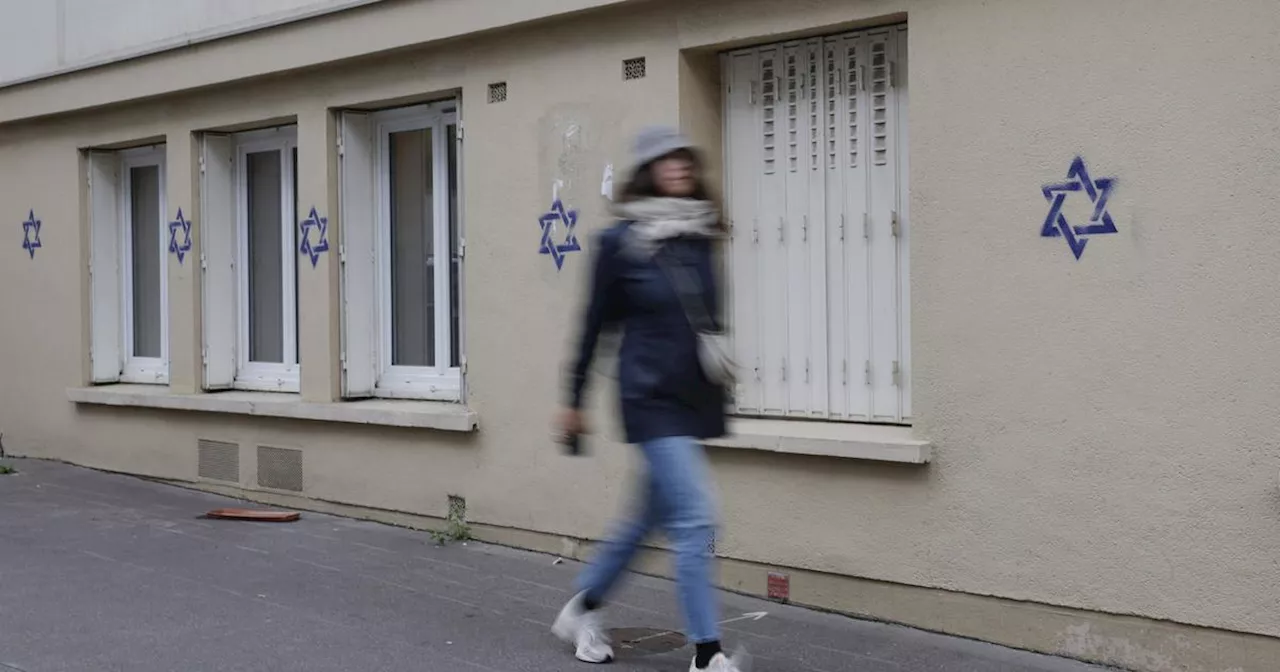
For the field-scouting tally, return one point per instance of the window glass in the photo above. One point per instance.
(146, 267)
(413, 302)
(266, 289)
(455, 258)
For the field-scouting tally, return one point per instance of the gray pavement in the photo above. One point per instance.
(101, 572)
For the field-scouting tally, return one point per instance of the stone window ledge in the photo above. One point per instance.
(384, 412)
(878, 443)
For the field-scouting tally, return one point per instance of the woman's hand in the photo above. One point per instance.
(570, 423)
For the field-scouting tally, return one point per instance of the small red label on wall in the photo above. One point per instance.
(779, 586)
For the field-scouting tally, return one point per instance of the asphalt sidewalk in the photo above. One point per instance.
(101, 572)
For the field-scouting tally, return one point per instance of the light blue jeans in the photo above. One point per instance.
(678, 498)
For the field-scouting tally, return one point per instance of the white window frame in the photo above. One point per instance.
(441, 382)
(147, 370)
(267, 376)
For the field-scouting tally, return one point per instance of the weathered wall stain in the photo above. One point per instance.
(1081, 642)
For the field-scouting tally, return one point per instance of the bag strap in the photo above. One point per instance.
(687, 287)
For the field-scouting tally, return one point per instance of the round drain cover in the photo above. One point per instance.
(636, 642)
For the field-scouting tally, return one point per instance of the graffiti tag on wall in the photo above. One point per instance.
(180, 248)
(550, 221)
(1078, 185)
(31, 234)
(313, 250)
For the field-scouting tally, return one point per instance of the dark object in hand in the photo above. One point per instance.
(572, 444)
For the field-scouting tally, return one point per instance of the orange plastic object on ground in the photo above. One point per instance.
(253, 514)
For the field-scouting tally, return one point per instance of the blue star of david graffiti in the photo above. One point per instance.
(176, 247)
(31, 234)
(321, 225)
(569, 218)
(1098, 191)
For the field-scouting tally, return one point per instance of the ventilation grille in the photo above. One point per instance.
(457, 508)
(498, 92)
(218, 460)
(633, 68)
(279, 468)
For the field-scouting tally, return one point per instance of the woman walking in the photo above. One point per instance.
(654, 277)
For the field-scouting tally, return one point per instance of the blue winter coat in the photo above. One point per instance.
(662, 388)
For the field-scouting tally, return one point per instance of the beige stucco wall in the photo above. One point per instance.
(1102, 428)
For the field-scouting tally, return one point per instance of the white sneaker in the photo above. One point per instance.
(740, 662)
(583, 630)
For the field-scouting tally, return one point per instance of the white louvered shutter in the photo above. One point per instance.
(217, 231)
(815, 238)
(791, 236)
(770, 220)
(817, 176)
(883, 209)
(744, 138)
(846, 202)
(849, 179)
(106, 332)
(900, 90)
(358, 200)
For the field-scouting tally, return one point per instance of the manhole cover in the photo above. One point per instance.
(635, 642)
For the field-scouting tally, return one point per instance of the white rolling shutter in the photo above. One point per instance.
(217, 260)
(817, 189)
(358, 199)
(104, 268)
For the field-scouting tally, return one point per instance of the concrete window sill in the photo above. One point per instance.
(389, 413)
(878, 443)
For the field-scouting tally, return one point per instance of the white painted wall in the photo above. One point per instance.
(39, 38)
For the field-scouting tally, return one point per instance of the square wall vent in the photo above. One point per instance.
(218, 460)
(633, 68)
(280, 468)
(498, 92)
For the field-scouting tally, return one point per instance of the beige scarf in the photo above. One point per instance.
(657, 220)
